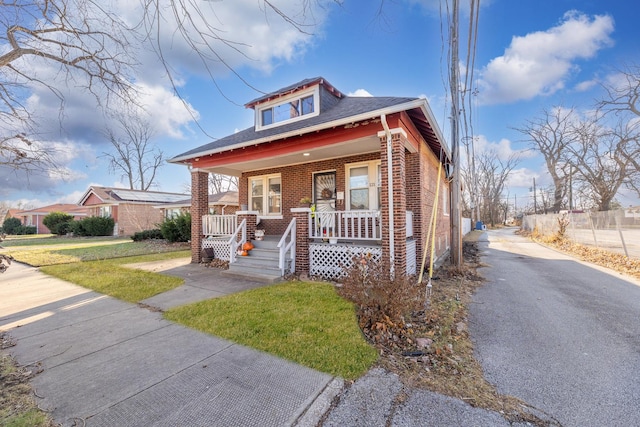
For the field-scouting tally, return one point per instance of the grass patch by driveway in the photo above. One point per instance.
(110, 277)
(42, 240)
(306, 322)
(79, 251)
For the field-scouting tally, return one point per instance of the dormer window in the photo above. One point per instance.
(296, 106)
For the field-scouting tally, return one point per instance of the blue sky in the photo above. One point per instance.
(531, 54)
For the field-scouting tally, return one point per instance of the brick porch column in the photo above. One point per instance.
(398, 167)
(302, 239)
(199, 208)
(252, 220)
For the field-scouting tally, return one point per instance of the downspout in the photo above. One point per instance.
(392, 230)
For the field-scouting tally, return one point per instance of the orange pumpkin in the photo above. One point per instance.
(247, 246)
(244, 253)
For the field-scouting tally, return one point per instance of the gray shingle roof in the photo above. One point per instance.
(343, 108)
(285, 90)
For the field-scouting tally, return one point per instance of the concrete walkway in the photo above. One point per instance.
(105, 362)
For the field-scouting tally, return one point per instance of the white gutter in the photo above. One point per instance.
(392, 239)
(418, 103)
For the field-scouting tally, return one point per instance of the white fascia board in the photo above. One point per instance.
(418, 103)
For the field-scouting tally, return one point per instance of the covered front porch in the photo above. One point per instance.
(320, 244)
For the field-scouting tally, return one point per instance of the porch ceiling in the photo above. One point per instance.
(294, 157)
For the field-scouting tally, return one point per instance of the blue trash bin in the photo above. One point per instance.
(479, 225)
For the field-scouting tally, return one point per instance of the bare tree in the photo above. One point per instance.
(90, 47)
(604, 159)
(550, 134)
(623, 99)
(94, 50)
(623, 95)
(491, 177)
(220, 183)
(134, 156)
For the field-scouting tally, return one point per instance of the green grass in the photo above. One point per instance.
(111, 278)
(40, 240)
(75, 252)
(307, 323)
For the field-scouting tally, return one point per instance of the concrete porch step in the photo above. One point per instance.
(261, 263)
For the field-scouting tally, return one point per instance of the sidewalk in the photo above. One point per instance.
(106, 362)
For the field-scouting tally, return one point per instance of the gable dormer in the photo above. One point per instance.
(299, 101)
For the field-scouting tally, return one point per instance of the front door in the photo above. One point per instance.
(324, 197)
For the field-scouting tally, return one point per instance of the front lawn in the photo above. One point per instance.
(75, 251)
(306, 322)
(51, 239)
(111, 278)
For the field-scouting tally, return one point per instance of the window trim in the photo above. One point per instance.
(372, 166)
(265, 195)
(313, 91)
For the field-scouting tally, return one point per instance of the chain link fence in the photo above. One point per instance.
(616, 230)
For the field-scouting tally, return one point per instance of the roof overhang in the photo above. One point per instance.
(418, 110)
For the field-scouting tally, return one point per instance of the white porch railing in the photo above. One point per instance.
(346, 225)
(219, 225)
(235, 242)
(290, 246)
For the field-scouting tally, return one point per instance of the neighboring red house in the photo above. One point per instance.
(310, 140)
(132, 210)
(34, 217)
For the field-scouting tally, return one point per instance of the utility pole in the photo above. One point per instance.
(456, 234)
(570, 188)
(535, 198)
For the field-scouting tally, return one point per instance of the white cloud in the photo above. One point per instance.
(243, 33)
(521, 178)
(541, 62)
(167, 114)
(233, 34)
(360, 92)
(502, 148)
(585, 85)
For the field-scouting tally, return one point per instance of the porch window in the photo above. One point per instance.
(364, 185)
(266, 194)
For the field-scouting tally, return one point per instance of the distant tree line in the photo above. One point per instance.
(592, 155)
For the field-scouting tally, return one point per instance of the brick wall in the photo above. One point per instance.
(297, 182)
(199, 208)
(398, 168)
(134, 217)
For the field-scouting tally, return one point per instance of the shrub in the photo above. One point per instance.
(26, 229)
(94, 226)
(147, 234)
(58, 222)
(563, 224)
(11, 225)
(382, 302)
(177, 229)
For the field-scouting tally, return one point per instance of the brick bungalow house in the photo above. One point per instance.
(132, 210)
(369, 165)
(34, 217)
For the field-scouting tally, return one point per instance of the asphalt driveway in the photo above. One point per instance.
(561, 334)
